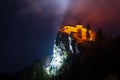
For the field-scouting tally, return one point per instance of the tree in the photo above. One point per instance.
(87, 32)
(99, 36)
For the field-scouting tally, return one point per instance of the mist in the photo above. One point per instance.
(99, 14)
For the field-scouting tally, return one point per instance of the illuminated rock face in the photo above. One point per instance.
(66, 43)
(57, 61)
(59, 56)
(61, 51)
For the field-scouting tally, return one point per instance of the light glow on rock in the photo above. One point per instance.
(58, 58)
(66, 42)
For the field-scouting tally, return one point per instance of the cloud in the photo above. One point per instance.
(44, 7)
(97, 13)
(103, 13)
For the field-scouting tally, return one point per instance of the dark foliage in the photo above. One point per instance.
(98, 60)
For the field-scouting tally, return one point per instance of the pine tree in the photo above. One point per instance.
(99, 36)
(87, 32)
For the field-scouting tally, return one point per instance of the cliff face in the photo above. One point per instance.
(61, 50)
(67, 43)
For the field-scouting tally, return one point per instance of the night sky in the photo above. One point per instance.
(28, 27)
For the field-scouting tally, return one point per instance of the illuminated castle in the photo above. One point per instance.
(79, 33)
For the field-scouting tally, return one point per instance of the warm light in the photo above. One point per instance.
(79, 33)
(68, 29)
(79, 26)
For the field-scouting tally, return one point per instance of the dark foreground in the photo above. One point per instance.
(98, 60)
